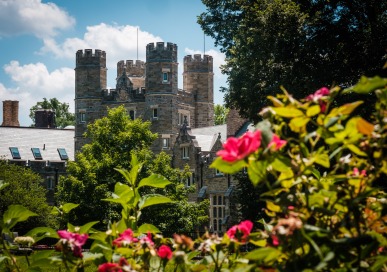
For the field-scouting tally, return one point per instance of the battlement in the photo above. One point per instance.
(130, 63)
(198, 58)
(89, 53)
(160, 46)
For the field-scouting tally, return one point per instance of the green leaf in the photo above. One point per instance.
(266, 255)
(15, 214)
(289, 112)
(322, 159)
(281, 164)
(257, 171)
(150, 200)
(42, 232)
(67, 207)
(313, 110)
(3, 184)
(349, 108)
(155, 180)
(145, 228)
(356, 150)
(226, 167)
(40, 258)
(86, 227)
(367, 85)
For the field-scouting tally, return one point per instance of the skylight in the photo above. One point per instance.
(15, 153)
(36, 153)
(63, 154)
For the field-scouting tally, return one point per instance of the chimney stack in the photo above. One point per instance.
(45, 118)
(10, 113)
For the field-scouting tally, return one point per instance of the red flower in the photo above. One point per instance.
(240, 232)
(164, 252)
(125, 238)
(74, 240)
(275, 240)
(324, 91)
(113, 267)
(238, 148)
(277, 142)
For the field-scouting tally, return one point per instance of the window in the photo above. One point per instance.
(63, 154)
(218, 211)
(185, 151)
(15, 153)
(82, 116)
(36, 153)
(190, 180)
(131, 114)
(165, 143)
(182, 117)
(50, 182)
(155, 113)
(165, 77)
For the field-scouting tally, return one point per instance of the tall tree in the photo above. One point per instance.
(92, 176)
(299, 44)
(63, 117)
(220, 112)
(25, 188)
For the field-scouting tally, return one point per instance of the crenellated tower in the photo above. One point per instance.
(90, 79)
(198, 79)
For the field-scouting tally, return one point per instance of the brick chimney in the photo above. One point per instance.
(234, 122)
(10, 113)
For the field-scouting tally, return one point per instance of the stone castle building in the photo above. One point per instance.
(148, 90)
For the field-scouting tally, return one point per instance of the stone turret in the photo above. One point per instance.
(132, 69)
(90, 80)
(198, 79)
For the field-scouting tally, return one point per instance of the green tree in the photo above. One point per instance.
(220, 112)
(24, 188)
(300, 44)
(92, 176)
(63, 117)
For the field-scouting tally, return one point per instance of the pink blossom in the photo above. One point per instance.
(356, 172)
(275, 240)
(240, 232)
(114, 267)
(125, 238)
(74, 240)
(164, 252)
(235, 149)
(147, 240)
(276, 142)
(320, 93)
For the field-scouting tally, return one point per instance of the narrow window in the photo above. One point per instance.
(131, 114)
(82, 117)
(50, 182)
(36, 153)
(215, 225)
(185, 152)
(165, 77)
(63, 154)
(214, 200)
(165, 143)
(155, 113)
(15, 153)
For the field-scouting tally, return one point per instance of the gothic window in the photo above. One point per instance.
(218, 211)
(185, 151)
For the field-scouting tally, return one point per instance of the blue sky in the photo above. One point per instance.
(39, 39)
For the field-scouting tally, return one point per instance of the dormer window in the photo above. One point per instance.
(36, 153)
(15, 153)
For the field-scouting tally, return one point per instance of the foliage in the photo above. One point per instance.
(114, 139)
(63, 117)
(24, 188)
(220, 112)
(323, 169)
(300, 44)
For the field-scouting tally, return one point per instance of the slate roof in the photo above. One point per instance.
(206, 136)
(47, 140)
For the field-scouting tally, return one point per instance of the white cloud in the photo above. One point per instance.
(34, 83)
(119, 43)
(32, 17)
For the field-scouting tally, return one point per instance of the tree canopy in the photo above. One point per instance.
(92, 176)
(302, 45)
(63, 117)
(24, 188)
(220, 112)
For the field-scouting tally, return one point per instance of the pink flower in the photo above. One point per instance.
(240, 232)
(114, 267)
(277, 142)
(235, 149)
(125, 238)
(147, 240)
(356, 172)
(74, 240)
(275, 240)
(164, 252)
(324, 91)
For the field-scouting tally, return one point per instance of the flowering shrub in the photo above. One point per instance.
(324, 168)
